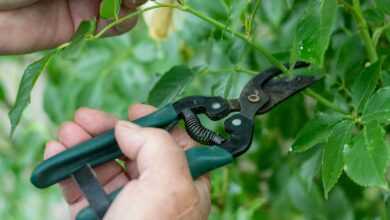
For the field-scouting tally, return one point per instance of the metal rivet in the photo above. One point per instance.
(237, 122)
(254, 98)
(216, 105)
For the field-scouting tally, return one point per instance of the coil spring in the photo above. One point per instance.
(198, 132)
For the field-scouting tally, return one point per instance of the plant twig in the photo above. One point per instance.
(324, 101)
(252, 18)
(206, 18)
(236, 69)
(363, 29)
(356, 12)
(239, 35)
(125, 18)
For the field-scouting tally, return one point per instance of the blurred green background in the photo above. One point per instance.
(269, 182)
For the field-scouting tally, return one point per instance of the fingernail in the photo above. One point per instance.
(129, 137)
(127, 124)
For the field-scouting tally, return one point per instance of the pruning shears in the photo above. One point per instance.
(260, 95)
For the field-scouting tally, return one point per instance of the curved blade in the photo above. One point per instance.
(264, 91)
(259, 80)
(280, 90)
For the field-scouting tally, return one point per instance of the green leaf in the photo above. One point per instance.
(2, 92)
(383, 5)
(314, 30)
(311, 167)
(275, 10)
(338, 206)
(332, 157)
(364, 85)
(386, 78)
(378, 107)
(53, 104)
(224, 86)
(306, 200)
(91, 95)
(367, 159)
(171, 84)
(30, 76)
(109, 9)
(314, 132)
(85, 30)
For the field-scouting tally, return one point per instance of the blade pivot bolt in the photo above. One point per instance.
(237, 122)
(254, 98)
(216, 105)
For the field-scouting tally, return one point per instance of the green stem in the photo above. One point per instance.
(236, 69)
(127, 17)
(252, 18)
(356, 12)
(247, 71)
(324, 101)
(208, 19)
(363, 30)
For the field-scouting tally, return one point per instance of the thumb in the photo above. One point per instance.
(164, 188)
(153, 150)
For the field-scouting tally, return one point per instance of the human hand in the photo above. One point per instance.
(156, 184)
(32, 25)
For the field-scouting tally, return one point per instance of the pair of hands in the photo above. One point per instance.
(157, 183)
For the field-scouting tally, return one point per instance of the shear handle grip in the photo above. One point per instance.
(201, 160)
(96, 151)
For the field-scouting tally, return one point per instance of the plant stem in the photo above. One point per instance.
(356, 12)
(206, 18)
(223, 27)
(236, 69)
(324, 101)
(127, 17)
(252, 18)
(247, 71)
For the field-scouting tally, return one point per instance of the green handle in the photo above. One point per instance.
(201, 160)
(101, 149)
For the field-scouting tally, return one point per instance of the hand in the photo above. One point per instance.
(157, 183)
(40, 24)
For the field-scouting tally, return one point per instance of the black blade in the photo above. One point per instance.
(279, 90)
(264, 91)
(263, 77)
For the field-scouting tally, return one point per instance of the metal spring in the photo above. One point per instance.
(198, 132)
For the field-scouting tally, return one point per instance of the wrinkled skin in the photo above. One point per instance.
(33, 25)
(157, 183)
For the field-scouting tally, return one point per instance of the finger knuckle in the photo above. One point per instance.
(159, 133)
(79, 113)
(68, 125)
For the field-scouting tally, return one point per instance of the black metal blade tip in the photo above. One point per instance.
(282, 89)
